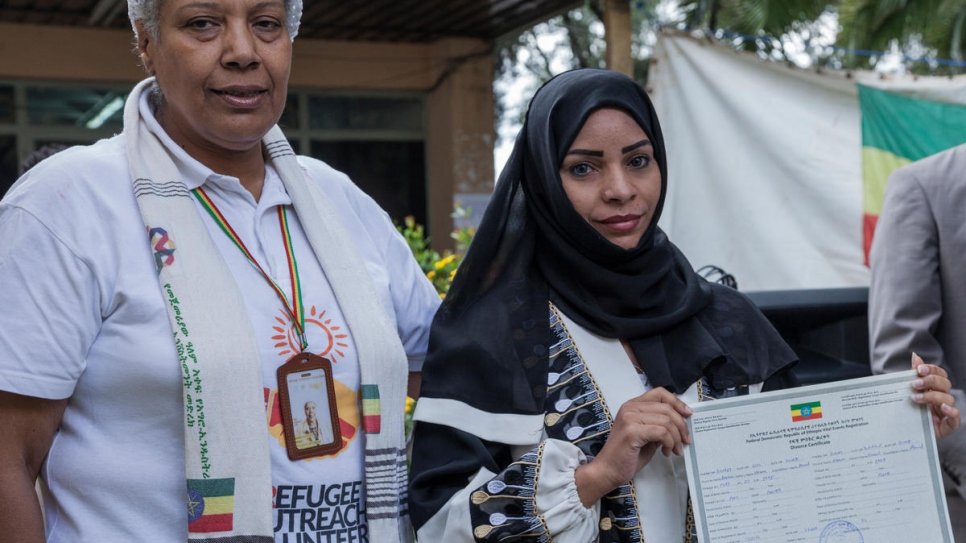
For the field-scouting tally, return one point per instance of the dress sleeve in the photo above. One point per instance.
(465, 489)
(905, 301)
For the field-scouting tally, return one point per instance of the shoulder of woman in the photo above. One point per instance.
(333, 181)
(725, 299)
(356, 207)
(323, 174)
(737, 318)
(69, 178)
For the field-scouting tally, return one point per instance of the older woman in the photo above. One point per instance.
(575, 335)
(173, 295)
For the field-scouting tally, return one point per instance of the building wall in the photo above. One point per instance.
(454, 76)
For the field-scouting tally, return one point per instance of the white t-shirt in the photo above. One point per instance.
(84, 318)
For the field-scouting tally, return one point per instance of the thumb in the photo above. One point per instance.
(917, 361)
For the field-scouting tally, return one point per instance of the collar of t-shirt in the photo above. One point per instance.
(195, 174)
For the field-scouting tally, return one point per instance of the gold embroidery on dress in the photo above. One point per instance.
(606, 523)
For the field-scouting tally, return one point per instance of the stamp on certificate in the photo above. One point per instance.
(841, 531)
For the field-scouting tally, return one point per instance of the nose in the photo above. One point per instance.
(617, 186)
(240, 49)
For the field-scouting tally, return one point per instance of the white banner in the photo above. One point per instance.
(764, 163)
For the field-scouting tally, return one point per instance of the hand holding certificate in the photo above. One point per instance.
(849, 461)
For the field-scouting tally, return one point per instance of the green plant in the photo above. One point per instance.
(408, 417)
(463, 235)
(438, 267)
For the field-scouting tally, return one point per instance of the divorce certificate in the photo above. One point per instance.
(844, 462)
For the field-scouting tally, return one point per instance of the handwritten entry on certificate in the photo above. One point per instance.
(845, 462)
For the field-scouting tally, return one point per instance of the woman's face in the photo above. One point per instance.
(611, 178)
(223, 67)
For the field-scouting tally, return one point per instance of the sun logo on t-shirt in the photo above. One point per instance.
(334, 342)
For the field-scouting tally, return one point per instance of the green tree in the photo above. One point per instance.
(752, 17)
(916, 27)
(764, 26)
(574, 39)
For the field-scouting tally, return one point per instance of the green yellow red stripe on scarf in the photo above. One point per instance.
(211, 505)
(371, 409)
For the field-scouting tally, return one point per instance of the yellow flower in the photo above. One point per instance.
(410, 404)
(443, 262)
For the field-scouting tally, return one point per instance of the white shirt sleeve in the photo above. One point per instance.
(50, 308)
(414, 298)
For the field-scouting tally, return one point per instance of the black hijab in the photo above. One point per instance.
(490, 339)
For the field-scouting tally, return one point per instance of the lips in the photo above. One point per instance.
(621, 223)
(620, 218)
(244, 97)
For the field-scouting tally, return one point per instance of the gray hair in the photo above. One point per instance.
(149, 13)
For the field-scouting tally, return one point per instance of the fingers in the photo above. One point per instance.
(932, 390)
(934, 400)
(916, 361)
(657, 416)
(923, 369)
(946, 421)
(933, 382)
(665, 396)
(662, 396)
(663, 429)
(931, 387)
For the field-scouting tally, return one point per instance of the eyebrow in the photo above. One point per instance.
(624, 150)
(587, 152)
(629, 148)
(213, 5)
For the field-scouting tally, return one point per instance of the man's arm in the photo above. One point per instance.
(905, 298)
(29, 426)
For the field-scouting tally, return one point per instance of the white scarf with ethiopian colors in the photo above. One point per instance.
(228, 471)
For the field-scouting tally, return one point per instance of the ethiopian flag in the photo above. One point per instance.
(371, 410)
(211, 504)
(806, 411)
(897, 130)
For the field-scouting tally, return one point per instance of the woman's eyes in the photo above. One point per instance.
(208, 24)
(268, 24)
(200, 24)
(580, 170)
(639, 161)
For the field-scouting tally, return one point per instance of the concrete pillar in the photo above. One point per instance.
(617, 32)
(459, 140)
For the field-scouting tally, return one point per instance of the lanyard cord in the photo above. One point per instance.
(295, 308)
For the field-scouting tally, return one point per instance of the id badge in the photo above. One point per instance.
(310, 418)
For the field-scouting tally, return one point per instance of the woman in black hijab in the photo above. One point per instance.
(573, 337)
